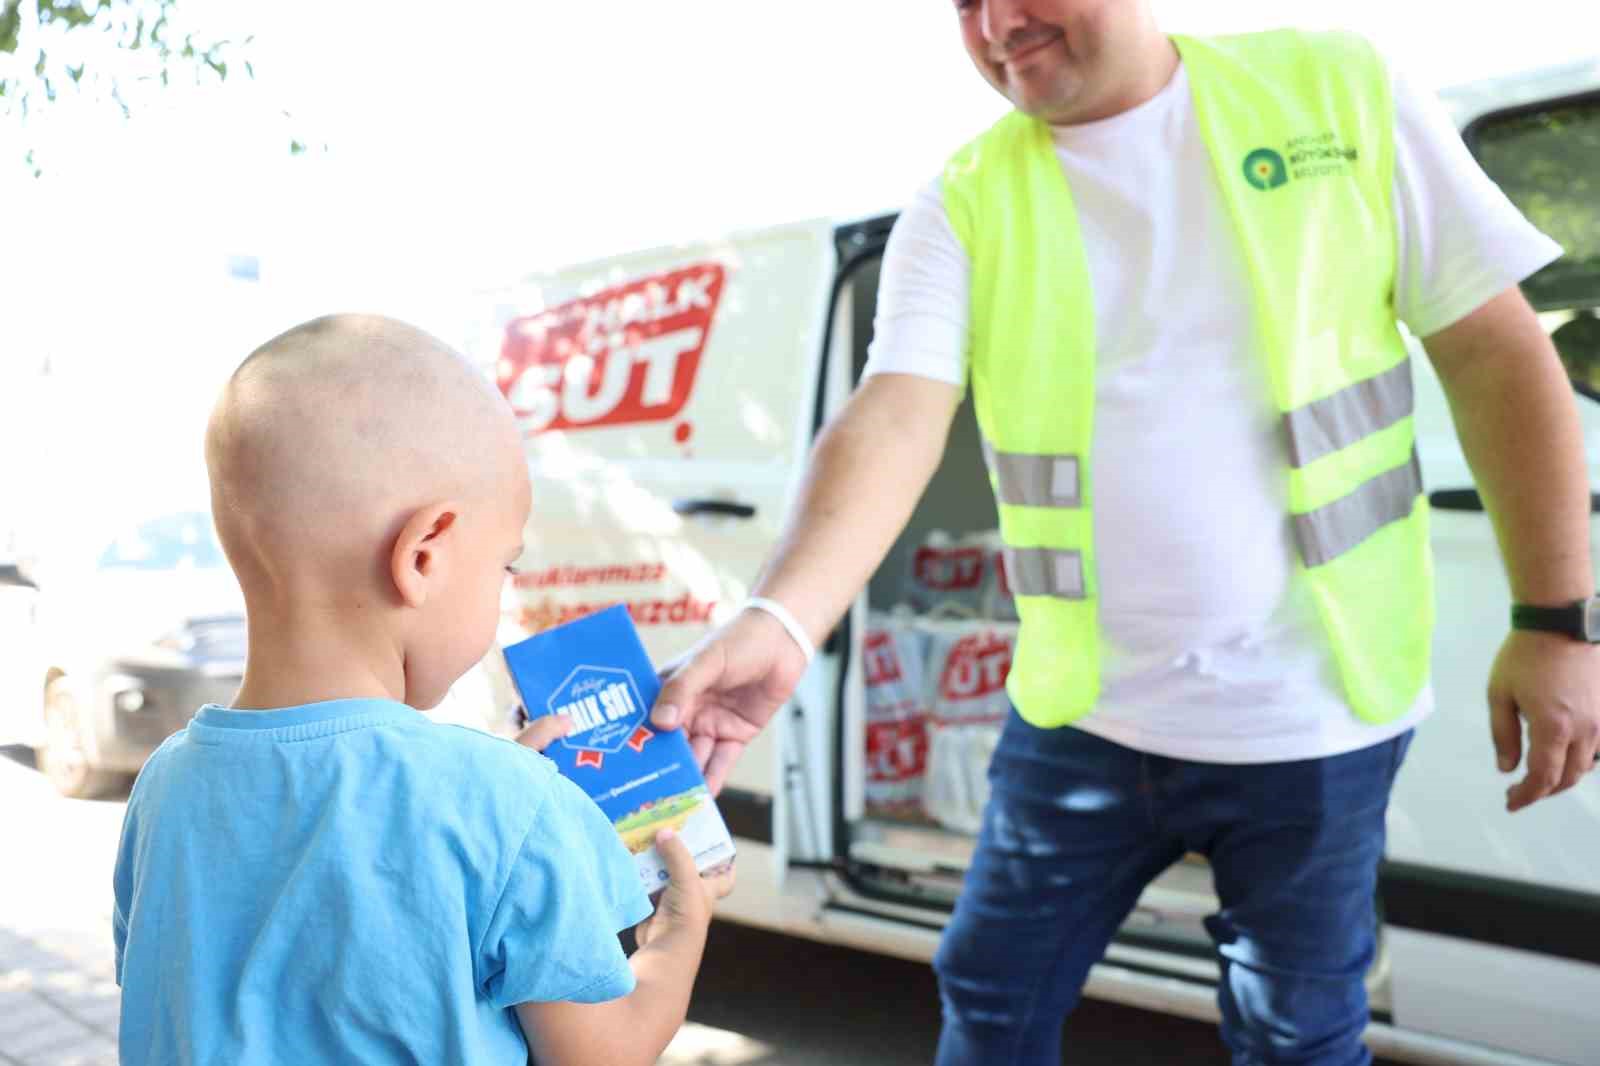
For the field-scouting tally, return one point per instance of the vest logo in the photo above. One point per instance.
(1312, 155)
(626, 355)
(1265, 169)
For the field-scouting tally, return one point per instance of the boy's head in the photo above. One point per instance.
(366, 482)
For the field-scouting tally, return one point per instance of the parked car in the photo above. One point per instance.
(130, 639)
(669, 399)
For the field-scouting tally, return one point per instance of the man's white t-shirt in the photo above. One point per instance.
(1213, 648)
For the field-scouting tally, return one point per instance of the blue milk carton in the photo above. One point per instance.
(596, 671)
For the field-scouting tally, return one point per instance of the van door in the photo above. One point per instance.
(666, 399)
(923, 697)
(1494, 919)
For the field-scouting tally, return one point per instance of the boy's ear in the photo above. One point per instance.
(416, 562)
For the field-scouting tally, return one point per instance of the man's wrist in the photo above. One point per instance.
(1576, 619)
(787, 620)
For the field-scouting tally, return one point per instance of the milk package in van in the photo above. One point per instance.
(596, 672)
(962, 574)
(936, 702)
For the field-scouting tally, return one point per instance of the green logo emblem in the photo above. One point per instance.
(1265, 169)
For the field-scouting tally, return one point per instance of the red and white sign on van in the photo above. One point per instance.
(626, 355)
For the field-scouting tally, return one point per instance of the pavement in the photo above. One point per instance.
(58, 996)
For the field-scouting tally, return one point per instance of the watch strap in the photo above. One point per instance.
(1579, 620)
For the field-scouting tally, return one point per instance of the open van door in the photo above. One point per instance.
(917, 712)
(667, 403)
(1470, 891)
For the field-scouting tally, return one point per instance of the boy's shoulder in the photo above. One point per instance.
(469, 762)
(489, 753)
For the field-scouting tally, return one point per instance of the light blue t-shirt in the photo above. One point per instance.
(352, 882)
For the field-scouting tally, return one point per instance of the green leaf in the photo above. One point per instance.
(76, 74)
(297, 148)
(10, 25)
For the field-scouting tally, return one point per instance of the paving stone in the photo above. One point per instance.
(57, 1032)
(21, 1011)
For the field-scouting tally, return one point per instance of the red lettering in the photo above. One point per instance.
(976, 667)
(947, 569)
(897, 750)
(629, 354)
(882, 664)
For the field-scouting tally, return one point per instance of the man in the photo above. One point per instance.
(1196, 409)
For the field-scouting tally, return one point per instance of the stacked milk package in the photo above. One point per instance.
(936, 668)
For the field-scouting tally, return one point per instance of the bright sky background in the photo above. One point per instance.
(472, 144)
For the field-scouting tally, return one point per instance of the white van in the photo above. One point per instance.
(670, 399)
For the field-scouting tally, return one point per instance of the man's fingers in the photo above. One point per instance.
(702, 744)
(1547, 761)
(1506, 728)
(723, 756)
(1580, 760)
(544, 731)
(676, 858)
(680, 695)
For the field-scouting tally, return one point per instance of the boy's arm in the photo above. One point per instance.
(639, 1026)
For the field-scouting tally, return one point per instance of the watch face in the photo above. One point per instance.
(1591, 619)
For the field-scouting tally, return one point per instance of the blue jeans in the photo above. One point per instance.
(1077, 826)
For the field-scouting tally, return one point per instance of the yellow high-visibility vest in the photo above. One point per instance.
(1300, 129)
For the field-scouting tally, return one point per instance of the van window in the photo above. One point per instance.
(1547, 159)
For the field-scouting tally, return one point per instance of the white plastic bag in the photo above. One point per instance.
(968, 663)
(897, 715)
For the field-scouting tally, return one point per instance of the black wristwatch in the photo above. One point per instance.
(1579, 620)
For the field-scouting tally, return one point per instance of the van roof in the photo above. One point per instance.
(1473, 100)
(1465, 102)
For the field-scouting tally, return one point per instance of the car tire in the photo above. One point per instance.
(64, 757)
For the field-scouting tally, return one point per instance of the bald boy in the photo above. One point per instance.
(319, 873)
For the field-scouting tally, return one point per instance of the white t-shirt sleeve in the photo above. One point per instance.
(920, 325)
(1462, 241)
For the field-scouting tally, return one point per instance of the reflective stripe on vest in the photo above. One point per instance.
(1331, 530)
(1339, 421)
(1045, 572)
(1034, 480)
(1352, 413)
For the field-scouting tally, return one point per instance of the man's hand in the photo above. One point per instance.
(728, 687)
(1553, 682)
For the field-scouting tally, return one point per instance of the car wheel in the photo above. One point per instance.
(65, 759)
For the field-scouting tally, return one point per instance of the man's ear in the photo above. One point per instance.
(417, 560)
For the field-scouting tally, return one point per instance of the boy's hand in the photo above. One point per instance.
(689, 898)
(544, 731)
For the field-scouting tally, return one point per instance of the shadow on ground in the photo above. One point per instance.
(822, 1004)
(20, 754)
